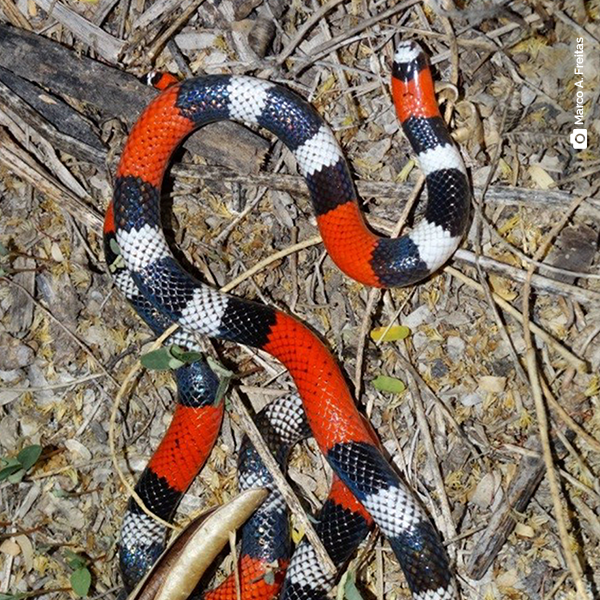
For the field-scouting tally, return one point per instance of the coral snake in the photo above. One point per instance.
(365, 485)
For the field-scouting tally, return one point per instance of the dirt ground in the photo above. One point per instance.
(497, 428)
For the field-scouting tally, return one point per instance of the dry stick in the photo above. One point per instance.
(375, 293)
(236, 570)
(588, 340)
(17, 161)
(372, 300)
(14, 15)
(542, 417)
(306, 27)
(504, 196)
(283, 486)
(325, 48)
(382, 335)
(586, 489)
(54, 386)
(143, 29)
(448, 413)
(529, 260)
(513, 68)
(160, 42)
(155, 15)
(451, 38)
(99, 40)
(425, 431)
(341, 74)
(575, 361)
(347, 37)
(222, 235)
(568, 420)
(248, 209)
(123, 389)
(62, 326)
(67, 468)
(313, 241)
(487, 292)
(561, 16)
(556, 587)
(552, 286)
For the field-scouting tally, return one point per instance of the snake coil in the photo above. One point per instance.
(163, 293)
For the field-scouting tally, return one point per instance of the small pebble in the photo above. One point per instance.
(455, 347)
(14, 353)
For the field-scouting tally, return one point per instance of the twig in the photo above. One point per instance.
(540, 409)
(306, 27)
(103, 43)
(552, 286)
(561, 16)
(284, 487)
(482, 276)
(62, 326)
(162, 39)
(375, 294)
(575, 361)
(18, 161)
(54, 386)
(269, 260)
(327, 47)
(123, 389)
(501, 195)
(434, 463)
(14, 15)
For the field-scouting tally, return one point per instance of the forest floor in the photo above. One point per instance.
(494, 418)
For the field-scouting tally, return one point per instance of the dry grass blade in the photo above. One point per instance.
(542, 417)
(112, 432)
(19, 161)
(574, 360)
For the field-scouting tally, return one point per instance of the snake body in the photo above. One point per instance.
(145, 267)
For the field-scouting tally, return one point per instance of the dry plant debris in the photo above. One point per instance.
(498, 428)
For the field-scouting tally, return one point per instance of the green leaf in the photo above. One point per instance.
(13, 465)
(29, 456)
(60, 493)
(16, 596)
(183, 355)
(347, 589)
(4, 251)
(81, 580)
(390, 334)
(16, 477)
(118, 263)
(269, 578)
(384, 383)
(224, 376)
(350, 590)
(161, 360)
(114, 246)
(75, 561)
(9, 462)
(169, 358)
